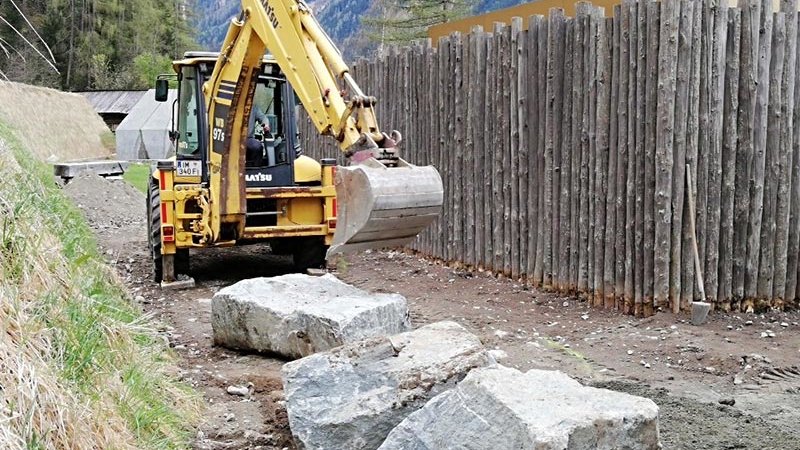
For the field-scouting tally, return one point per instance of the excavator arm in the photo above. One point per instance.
(383, 201)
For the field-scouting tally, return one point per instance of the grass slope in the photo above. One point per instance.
(137, 175)
(79, 365)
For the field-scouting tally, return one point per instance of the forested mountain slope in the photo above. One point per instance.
(101, 44)
(340, 18)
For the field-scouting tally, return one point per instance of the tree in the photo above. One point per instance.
(404, 21)
(97, 44)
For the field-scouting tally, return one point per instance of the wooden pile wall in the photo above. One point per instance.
(564, 150)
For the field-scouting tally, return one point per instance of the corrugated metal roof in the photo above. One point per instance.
(113, 102)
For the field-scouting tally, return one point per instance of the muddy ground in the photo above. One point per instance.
(731, 384)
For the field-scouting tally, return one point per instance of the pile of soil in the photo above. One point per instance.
(107, 203)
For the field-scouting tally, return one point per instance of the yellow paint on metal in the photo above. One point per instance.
(306, 170)
(306, 211)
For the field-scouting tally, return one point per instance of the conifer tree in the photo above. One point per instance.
(396, 22)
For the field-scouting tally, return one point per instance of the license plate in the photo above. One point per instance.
(189, 168)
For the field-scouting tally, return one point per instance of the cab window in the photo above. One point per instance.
(188, 114)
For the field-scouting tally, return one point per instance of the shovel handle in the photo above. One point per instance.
(698, 269)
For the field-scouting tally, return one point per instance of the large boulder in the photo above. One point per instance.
(297, 315)
(502, 408)
(353, 396)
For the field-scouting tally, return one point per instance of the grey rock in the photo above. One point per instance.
(352, 397)
(700, 312)
(298, 315)
(503, 408)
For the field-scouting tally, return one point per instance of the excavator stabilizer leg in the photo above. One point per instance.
(381, 206)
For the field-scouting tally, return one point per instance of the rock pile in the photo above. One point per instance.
(353, 396)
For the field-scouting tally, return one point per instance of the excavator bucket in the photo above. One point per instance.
(381, 206)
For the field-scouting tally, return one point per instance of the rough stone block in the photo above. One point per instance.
(353, 396)
(700, 312)
(503, 408)
(298, 315)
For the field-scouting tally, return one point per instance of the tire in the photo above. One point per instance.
(154, 229)
(309, 254)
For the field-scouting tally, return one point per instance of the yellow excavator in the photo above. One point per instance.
(239, 176)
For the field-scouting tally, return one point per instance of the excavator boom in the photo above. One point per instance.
(382, 200)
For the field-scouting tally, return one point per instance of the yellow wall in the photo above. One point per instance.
(526, 10)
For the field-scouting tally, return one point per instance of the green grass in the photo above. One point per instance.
(137, 175)
(104, 351)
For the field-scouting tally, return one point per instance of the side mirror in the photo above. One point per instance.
(162, 90)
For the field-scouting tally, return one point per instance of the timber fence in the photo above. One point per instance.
(564, 150)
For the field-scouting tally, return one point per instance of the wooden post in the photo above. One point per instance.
(468, 175)
(534, 30)
(788, 86)
(613, 31)
(651, 109)
(479, 167)
(443, 52)
(494, 155)
(542, 86)
(771, 163)
(641, 95)
(679, 148)
(507, 154)
(457, 149)
(665, 140)
(578, 92)
(521, 137)
(730, 109)
(623, 58)
(794, 218)
(748, 78)
(692, 131)
(759, 157)
(630, 185)
(565, 160)
(700, 177)
(716, 86)
(582, 20)
(555, 58)
(602, 158)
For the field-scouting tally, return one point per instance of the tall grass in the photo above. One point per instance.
(80, 367)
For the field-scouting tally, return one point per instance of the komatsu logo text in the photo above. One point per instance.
(258, 178)
(270, 13)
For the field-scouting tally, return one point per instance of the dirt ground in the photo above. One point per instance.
(731, 384)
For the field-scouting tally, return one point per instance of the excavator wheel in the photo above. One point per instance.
(154, 229)
(182, 264)
(309, 253)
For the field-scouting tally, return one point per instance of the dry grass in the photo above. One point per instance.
(58, 126)
(80, 368)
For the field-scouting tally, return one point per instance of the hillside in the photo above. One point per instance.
(340, 18)
(80, 366)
